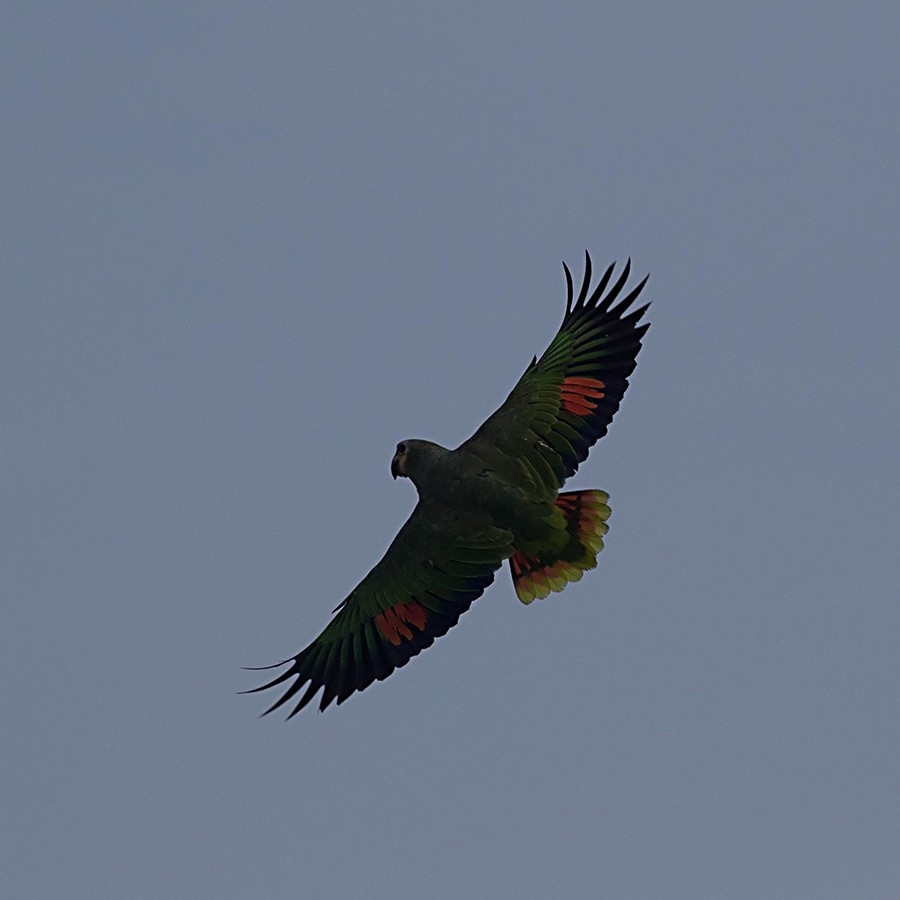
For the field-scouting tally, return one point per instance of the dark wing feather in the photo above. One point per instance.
(564, 402)
(438, 564)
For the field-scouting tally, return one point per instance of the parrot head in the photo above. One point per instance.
(414, 458)
(398, 463)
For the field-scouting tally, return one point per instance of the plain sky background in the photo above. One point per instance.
(248, 247)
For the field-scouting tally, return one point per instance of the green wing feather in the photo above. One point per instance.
(564, 402)
(439, 563)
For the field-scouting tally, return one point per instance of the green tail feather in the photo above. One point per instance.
(535, 575)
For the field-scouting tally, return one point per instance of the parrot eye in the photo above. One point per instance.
(401, 448)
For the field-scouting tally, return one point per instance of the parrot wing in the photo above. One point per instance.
(439, 563)
(564, 402)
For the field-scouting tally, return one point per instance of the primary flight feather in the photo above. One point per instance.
(495, 497)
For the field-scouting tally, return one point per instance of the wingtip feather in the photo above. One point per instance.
(626, 302)
(585, 283)
(569, 289)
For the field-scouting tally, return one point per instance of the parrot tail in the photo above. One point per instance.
(536, 574)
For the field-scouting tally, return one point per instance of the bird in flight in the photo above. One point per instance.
(495, 497)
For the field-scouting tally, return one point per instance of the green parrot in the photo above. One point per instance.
(495, 497)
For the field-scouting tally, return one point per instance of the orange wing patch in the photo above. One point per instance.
(577, 394)
(394, 622)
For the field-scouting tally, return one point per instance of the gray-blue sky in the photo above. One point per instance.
(247, 248)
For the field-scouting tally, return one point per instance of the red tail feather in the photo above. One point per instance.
(536, 574)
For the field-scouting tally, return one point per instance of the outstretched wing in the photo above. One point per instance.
(564, 402)
(439, 563)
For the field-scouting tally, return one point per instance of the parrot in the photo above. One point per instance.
(496, 498)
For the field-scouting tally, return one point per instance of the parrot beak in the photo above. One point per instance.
(395, 468)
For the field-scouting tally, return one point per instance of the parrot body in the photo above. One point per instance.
(555, 536)
(494, 498)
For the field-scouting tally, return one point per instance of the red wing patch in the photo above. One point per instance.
(394, 622)
(577, 394)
